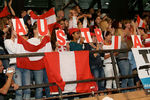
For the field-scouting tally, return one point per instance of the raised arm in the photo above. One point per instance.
(11, 9)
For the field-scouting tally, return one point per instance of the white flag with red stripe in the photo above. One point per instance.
(140, 22)
(32, 46)
(49, 16)
(69, 66)
(116, 42)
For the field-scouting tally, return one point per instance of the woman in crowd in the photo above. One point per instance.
(21, 76)
(76, 35)
(108, 69)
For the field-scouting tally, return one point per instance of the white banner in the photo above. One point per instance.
(142, 59)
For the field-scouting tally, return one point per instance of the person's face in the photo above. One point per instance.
(98, 20)
(1, 67)
(80, 25)
(62, 23)
(94, 39)
(92, 11)
(66, 23)
(78, 9)
(76, 35)
(29, 22)
(108, 37)
(36, 31)
(128, 25)
(141, 31)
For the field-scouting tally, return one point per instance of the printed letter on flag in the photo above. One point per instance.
(19, 26)
(99, 36)
(42, 26)
(137, 43)
(86, 34)
(116, 42)
(61, 38)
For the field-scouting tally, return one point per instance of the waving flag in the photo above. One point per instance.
(140, 22)
(4, 12)
(49, 16)
(69, 66)
(32, 63)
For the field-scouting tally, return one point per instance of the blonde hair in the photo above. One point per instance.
(104, 25)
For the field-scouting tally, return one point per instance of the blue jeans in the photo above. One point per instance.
(125, 69)
(22, 77)
(47, 89)
(98, 72)
(131, 60)
(38, 77)
(4, 61)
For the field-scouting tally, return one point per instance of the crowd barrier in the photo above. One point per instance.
(61, 96)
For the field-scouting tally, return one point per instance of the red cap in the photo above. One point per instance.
(92, 34)
(72, 30)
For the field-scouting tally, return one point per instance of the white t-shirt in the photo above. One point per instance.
(108, 60)
(46, 48)
(11, 47)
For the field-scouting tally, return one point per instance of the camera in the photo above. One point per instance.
(8, 71)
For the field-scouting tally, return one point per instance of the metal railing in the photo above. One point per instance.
(61, 96)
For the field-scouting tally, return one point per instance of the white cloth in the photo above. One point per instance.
(11, 47)
(108, 69)
(73, 22)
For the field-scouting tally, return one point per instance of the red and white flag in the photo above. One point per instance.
(32, 63)
(49, 16)
(85, 32)
(136, 39)
(5, 12)
(116, 42)
(140, 22)
(69, 66)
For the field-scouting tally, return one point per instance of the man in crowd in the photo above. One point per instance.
(6, 81)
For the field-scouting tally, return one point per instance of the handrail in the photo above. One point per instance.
(116, 77)
(42, 53)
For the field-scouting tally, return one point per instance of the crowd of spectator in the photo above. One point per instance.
(100, 64)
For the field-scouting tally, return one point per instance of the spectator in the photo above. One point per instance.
(21, 76)
(123, 62)
(37, 74)
(6, 81)
(96, 63)
(76, 35)
(108, 69)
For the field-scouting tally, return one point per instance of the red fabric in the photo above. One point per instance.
(84, 72)
(72, 30)
(140, 22)
(116, 42)
(147, 44)
(24, 62)
(53, 70)
(52, 63)
(4, 12)
(45, 15)
(92, 34)
(30, 47)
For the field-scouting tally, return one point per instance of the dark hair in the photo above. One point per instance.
(107, 33)
(8, 34)
(115, 24)
(53, 38)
